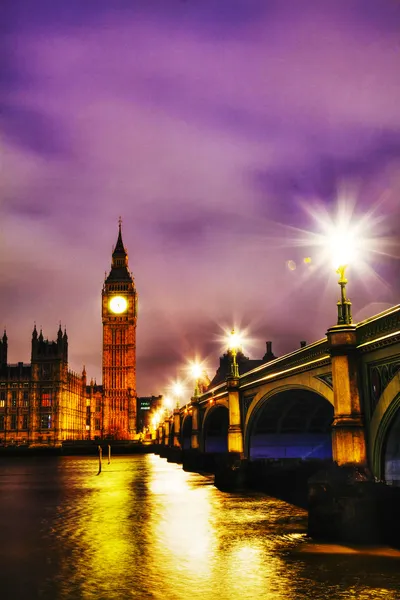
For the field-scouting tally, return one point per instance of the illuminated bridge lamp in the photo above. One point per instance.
(177, 390)
(167, 404)
(196, 374)
(343, 247)
(234, 344)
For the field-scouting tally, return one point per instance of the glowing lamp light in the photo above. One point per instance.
(343, 248)
(344, 238)
(177, 389)
(167, 402)
(196, 370)
(234, 343)
(234, 340)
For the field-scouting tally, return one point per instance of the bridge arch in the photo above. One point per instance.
(384, 435)
(186, 432)
(215, 429)
(291, 421)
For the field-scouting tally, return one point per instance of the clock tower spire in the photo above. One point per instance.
(119, 315)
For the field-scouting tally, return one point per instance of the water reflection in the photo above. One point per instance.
(146, 529)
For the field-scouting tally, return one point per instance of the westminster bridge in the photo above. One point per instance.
(331, 405)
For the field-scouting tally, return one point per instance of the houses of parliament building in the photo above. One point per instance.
(45, 402)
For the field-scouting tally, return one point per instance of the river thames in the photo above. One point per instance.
(145, 529)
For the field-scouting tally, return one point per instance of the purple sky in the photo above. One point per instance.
(208, 126)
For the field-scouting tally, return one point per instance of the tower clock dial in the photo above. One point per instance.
(118, 305)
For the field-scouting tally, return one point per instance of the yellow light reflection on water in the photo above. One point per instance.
(181, 523)
(144, 528)
(99, 527)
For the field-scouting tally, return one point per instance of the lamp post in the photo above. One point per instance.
(344, 304)
(177, 392)
(167, 404)
(234, 344)
(348, 433)
(196, 374)
(343, 248)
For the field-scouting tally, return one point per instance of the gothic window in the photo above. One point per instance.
(46, 399)
(45, 421)
(25, 422)
(46, 371)
(13, 422)
(1, 422)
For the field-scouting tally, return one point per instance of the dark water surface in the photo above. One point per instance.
(145, 529)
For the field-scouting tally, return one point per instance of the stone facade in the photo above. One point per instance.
(45, 402)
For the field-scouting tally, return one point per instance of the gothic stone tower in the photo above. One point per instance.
(119, 314)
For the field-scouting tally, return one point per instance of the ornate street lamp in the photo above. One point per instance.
(196, 371)
(343, 248)
(234, 345)
(344, 304)
(177, 391)
(167, 407)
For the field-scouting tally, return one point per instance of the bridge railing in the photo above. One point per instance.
(379, 326)
(385, 324)
(301, 357)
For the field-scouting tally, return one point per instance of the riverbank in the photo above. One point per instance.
(77, 448)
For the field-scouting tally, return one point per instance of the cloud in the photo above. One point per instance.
(204, 125)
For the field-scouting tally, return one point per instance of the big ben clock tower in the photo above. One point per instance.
(119, 314)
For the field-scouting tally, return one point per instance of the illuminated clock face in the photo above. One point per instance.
(118, 305)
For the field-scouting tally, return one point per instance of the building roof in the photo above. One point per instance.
(119, 263)
(119, 249)
(119, 274)
(244, 363)
(16, 371)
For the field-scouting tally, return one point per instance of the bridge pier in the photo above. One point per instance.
(174, 453)
(235, 434)
(231, 467)
(344, 505)
(198, 462)
(194, 439)
(230, 472)
(343, 499)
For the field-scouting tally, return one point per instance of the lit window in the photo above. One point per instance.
(46, 399)
(45, 421)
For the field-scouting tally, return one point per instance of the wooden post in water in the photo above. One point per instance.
(100, 455)
(109, 453)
